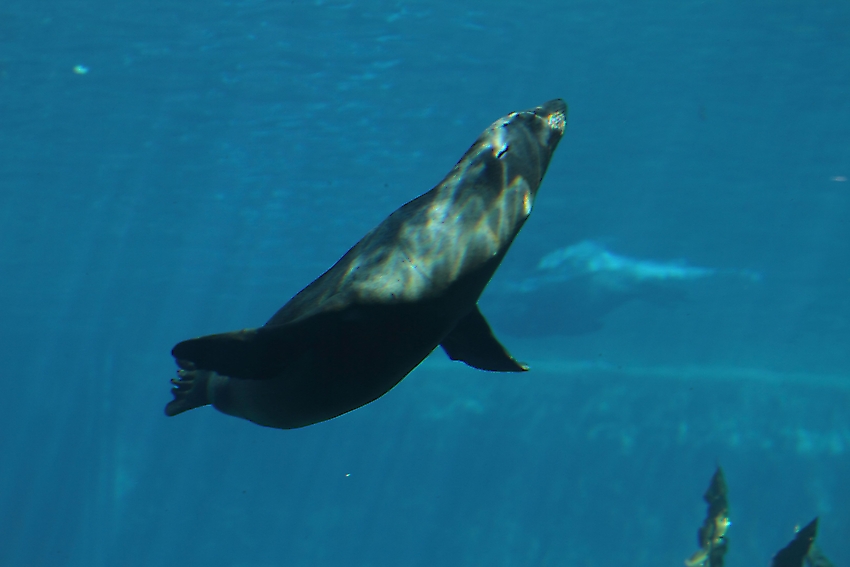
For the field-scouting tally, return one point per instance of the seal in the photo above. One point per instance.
(409, 285)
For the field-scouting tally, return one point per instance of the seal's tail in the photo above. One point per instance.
(190, 389)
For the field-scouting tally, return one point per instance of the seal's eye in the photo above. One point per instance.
(502, 151)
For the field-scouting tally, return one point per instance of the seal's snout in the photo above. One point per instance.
(555, 114)
(543, 128)
(552, 117)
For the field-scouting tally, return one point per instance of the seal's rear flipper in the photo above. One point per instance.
(250, 354)
(190, 389)
(472, 342)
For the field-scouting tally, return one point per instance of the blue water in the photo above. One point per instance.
(173, 169)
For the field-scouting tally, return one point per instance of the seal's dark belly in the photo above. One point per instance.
(354, 362)
(346, 359)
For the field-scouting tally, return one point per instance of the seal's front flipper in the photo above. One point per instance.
(472, 342)
(190, 389)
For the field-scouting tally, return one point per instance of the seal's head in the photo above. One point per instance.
(526, 140)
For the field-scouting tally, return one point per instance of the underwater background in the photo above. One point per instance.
(174, 169)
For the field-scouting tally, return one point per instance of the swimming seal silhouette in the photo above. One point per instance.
(410, 284)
